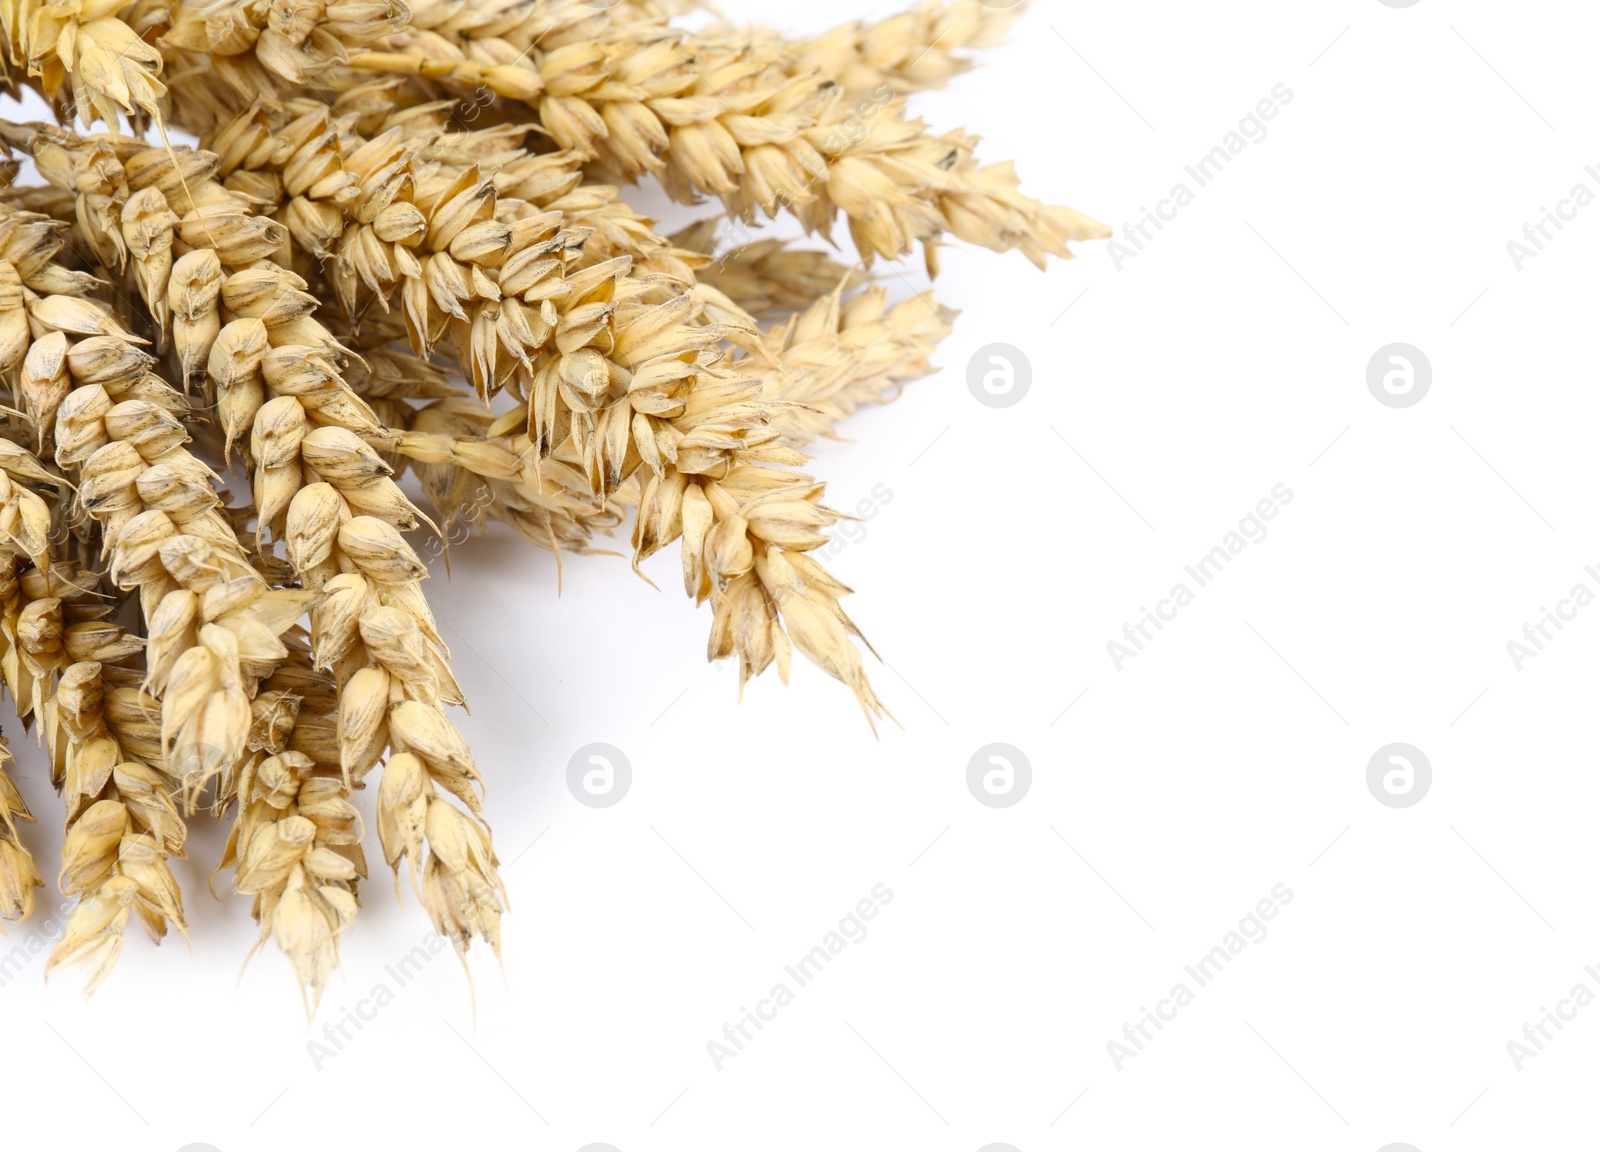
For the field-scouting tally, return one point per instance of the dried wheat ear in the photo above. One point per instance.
(396, 218)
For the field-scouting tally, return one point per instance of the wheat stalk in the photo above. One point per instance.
(294, 301)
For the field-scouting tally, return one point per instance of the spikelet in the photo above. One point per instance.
(19, 875)
(85, 58)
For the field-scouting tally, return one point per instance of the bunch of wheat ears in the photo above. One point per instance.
(396, 223)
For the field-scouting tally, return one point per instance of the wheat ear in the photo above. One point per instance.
(121, 830)
(295, 844)
(728, 121)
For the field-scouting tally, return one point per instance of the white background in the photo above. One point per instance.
(1227, 758)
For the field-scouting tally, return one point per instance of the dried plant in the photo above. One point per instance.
(19, 875)
(404, 246)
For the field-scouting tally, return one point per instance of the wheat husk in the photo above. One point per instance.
(19, 875)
